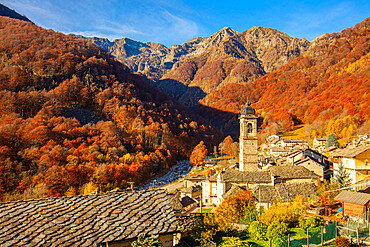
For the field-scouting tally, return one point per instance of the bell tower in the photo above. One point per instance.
(248, 155)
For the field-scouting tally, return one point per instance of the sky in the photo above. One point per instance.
(177, 21)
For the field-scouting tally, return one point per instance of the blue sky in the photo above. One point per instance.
(177, 21)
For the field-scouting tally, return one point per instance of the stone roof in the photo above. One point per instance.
(86, 220)
(279, 149)
(353, 197)
(269, 193)
(291, 172)
(186, 201)
(194, 177)
(301, 161)
(175, 202)
(192, 189)
(294, 141)
(232, 191)
(351, 152)
(234, 175)
(320, 138)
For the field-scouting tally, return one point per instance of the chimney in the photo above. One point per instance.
(132, 185)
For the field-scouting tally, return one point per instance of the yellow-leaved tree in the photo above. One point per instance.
(235, 208)
(284, 211)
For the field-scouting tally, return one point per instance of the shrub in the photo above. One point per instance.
(232, 241)
(257, 230)
(277, 230)
(311, 222)
(342, 242)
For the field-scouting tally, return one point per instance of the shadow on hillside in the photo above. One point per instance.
(83, 115)
(226, 122)
(188, 96)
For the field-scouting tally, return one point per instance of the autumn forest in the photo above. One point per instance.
(118, 129)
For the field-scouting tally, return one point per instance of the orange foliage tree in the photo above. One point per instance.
(235, 208)
(198, 154)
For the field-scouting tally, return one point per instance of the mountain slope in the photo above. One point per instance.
(50, 85)
(327, 86)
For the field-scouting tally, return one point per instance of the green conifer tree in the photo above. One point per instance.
(342, 177)
(332, 141)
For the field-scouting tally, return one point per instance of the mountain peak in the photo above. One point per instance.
(222, 35)
(228, 31)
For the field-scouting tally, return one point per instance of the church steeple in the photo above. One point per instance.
(248, 156)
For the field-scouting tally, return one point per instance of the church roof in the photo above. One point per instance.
(248, 110)
(234, 175)
(282, 172)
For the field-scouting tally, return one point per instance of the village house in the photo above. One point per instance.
(194, 192)
(273, 140)
(354, 204)
(355, 160)
(290, 143)
(279, 151)
(319, 143)
(113, 219)
(316, 162)
(192, 180)
(313, 166)
(293, 157)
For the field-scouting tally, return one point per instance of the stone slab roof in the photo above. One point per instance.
(299, 162)
(234, 175)
(353, 197)
(291, 172)
(186, 201)
(175, 202)
(351, 152)
(195, 177)
(86, 220)
(232, 191)
(286, 191)
(192, 189)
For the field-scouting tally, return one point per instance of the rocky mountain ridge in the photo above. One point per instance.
(204, 64)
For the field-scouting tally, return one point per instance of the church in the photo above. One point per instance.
(279, 182)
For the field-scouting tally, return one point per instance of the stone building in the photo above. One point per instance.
(248, 142)
(355, 160)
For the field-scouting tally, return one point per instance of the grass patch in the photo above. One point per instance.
(258, 243)
(206, 210)
(296, 133)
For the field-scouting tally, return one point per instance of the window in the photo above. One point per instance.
(249, 128)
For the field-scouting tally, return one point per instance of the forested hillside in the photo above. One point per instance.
(72, 119)
(327, 88)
